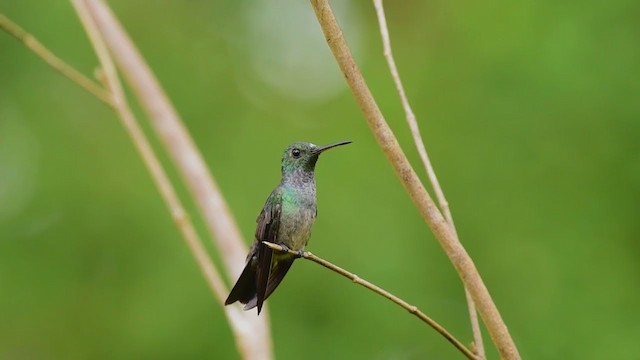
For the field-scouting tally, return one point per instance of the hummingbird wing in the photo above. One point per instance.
(267, 230)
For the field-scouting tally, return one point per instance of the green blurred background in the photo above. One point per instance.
(530, 111)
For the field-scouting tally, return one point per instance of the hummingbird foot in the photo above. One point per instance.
(284, 248)
(287, 250)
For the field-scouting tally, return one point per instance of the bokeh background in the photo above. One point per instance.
(530, 111)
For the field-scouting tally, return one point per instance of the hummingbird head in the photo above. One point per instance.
(302, 156)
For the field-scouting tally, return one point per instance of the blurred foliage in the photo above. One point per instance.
(530, 111)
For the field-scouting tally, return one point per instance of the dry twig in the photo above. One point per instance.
(150, 159)
(50, 58)
(175, 137)
(116, 100)
(389, 144)
(422, 151)
(380, 291)
(252, 333)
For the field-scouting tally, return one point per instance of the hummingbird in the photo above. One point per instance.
(286, 219)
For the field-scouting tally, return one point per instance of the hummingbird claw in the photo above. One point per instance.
(284, 248)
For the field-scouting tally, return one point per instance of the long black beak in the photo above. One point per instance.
(320, 149)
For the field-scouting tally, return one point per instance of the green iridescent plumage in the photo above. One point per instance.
(286, 219)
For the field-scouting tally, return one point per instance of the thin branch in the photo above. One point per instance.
(422, 151)
(238, 320)
(252, 333)
(175, 137)
(118, 103)
(243, 323)
(145, 150)
(252, 345)
(55, 62)
(380, 291)
(439, 226)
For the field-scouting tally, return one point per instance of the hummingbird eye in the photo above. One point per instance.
(295, 153)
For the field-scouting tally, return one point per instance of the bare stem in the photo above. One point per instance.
(118, 103)
(422, 151)
(252, 333)
(237, 320)
(175, 137)
(150, 159)
(55, 62)
(380, 291)
(439, 226)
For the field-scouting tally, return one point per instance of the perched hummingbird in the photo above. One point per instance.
(286, 220)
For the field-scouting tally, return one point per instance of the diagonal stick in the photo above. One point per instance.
(422, 151)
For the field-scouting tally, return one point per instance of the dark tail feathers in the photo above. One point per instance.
(245, 288)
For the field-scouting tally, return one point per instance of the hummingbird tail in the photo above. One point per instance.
(278, 271)
(263, 271)
(259, 279)
(245, 288)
